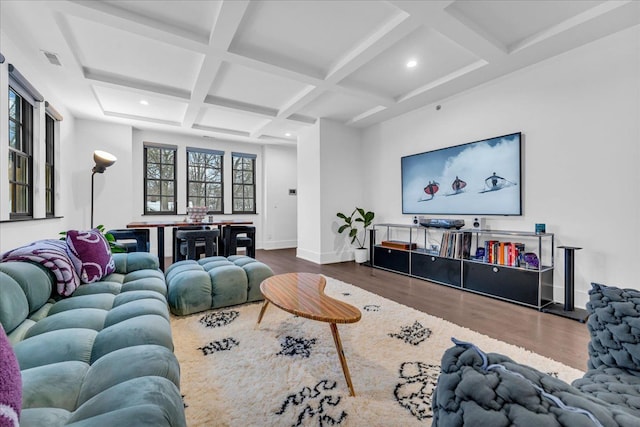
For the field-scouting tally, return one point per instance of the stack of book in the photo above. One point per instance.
(455, 244)
(503, 253)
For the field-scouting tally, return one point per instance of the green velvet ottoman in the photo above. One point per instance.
(214, 282)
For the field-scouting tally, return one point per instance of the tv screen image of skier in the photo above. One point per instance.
(477, 178)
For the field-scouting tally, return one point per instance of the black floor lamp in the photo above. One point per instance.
(103, 161)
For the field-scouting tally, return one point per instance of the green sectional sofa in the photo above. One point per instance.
(102, 356)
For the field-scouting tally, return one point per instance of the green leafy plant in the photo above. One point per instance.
(351, 224)
(113, 244)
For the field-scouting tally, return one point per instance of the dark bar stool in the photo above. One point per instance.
(202, 238)
(125, 237)
(194, 243)
(236, 236)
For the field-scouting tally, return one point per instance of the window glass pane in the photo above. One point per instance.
(153, 188)
(214, 190)
(167, 156)
(248, 191)
(22, 169)
(153, 204)
(248, 205)
(167, 172)
(248, 177)
(167, 203)
(153, 155)
(167, 188)
(22, 199)
(238, 205)
(13, 134)
(11, 165)
(14, 105)
(153, 171)
(196, 189)
(197, 201)
(212, 175)
(237, 191)
(48, 179)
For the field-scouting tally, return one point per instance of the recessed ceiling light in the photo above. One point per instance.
(144, 102)
(412, 63)
(287, 134)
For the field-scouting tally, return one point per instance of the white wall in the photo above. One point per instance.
(272, 163)
(16, 233)
(579, 113)
(309, 203)
(112, 189)
(341, 188)
(330, 181)
(280, 208)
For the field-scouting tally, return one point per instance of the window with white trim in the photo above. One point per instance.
(243, 182)
(20, 156)
(159, 179)
(49, 165)
(205, 179)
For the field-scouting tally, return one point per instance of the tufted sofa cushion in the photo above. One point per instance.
(475, 388)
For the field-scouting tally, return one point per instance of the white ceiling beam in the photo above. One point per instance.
(226, 23)
(455, 27)
(392, 31)
(112, 16)
(444, 79)
(568, 24)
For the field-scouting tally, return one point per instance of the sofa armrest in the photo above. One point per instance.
(133, 261)
(614, 322)
(475, 388)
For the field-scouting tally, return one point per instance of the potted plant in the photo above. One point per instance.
(351, 224)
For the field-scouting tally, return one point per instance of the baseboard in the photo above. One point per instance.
(280, 244)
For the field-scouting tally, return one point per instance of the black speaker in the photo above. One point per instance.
(478, 223)
(415, 219)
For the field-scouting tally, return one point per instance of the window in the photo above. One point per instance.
(204, 179)
(243, 183)
(159, 179)
(20, 156)
(49, 164)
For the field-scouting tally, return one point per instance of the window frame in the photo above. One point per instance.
(49, 166)
(161, 180)
(23, 126)
(205, 151)
(234, 183)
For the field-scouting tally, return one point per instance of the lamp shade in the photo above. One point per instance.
(103, 160)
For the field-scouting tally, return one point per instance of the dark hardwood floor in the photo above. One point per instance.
(555, 337)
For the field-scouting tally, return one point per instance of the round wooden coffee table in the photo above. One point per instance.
(303, 294)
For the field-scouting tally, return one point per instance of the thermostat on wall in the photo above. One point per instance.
(292, 192)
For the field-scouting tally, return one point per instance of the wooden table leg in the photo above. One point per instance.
(262, 310)
(343, 360)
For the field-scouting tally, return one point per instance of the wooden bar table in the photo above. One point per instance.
(160, 225)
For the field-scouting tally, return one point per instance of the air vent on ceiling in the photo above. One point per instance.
(52, 57)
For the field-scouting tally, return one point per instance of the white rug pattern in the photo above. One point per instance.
(287, 372)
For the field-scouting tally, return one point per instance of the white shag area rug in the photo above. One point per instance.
(287, 372)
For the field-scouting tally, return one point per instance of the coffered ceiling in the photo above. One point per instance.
(261, 71)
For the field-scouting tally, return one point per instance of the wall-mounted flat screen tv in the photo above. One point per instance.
(477, 178)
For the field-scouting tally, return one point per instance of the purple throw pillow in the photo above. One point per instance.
(90, 253)
(10, 384)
